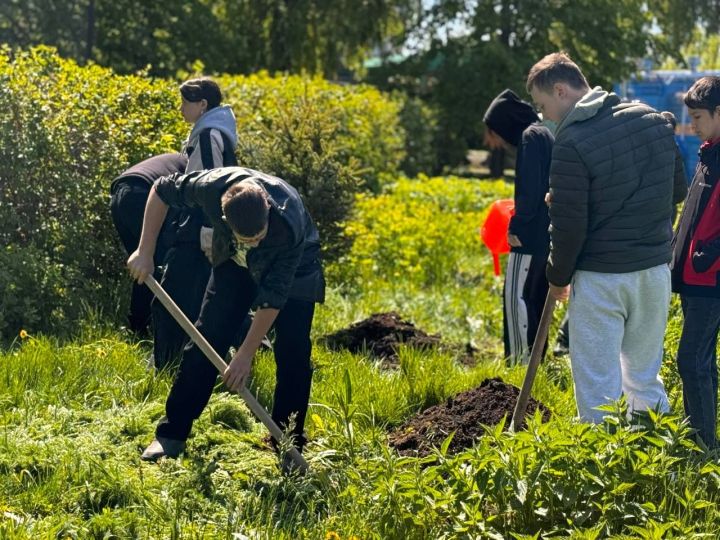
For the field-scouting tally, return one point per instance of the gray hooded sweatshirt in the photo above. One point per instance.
(205, 146)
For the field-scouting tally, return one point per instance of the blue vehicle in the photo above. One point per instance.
(664, 91)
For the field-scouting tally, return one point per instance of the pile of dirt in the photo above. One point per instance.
(381, 334)
(465, 414)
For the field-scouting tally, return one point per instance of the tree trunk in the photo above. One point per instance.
(90, 40)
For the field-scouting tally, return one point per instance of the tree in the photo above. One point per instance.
(235, 36)
(62, 24)
(495, 42)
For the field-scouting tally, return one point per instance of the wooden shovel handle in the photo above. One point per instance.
(257, 409)
(534, 363)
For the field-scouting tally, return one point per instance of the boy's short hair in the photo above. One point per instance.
(246, 208)
(704, 94)
(555, 68)
(195, 90)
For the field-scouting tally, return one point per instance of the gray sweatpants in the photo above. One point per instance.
(617, 326)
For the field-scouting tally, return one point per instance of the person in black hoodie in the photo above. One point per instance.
(695, 266)
(513, 122)
(128, 195)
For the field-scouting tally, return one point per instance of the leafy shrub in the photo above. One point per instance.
(424, 231)
(359, 125)
(329, 141)
(66, 131)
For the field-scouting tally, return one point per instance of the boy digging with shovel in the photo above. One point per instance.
(265, 256)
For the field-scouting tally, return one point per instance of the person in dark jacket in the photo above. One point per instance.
(611, 188)
(696, 266)
(513, 122)
(128, 195)
(680, 191)
(265, 256)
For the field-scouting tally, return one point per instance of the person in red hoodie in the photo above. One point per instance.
(696, 266)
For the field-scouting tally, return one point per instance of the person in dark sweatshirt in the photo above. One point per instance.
(266, 256)
(128, 195)
(695, 266)
(513, 122)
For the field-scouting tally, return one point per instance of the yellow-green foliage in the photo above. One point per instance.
(424, 231)
(65, 132)
(365, 127)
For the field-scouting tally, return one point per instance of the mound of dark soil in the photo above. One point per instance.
(380, 335)
(465, 414)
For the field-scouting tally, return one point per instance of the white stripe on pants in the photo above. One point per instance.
(516, 315)
(617, 326)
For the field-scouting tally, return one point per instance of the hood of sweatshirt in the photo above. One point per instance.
(221, 118)
(509, 116)
(587, 107)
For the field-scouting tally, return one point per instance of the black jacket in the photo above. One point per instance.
(140, 178)
(698, 222)
(286, 263)
(611, 183)
(149, 170)
(517, 123)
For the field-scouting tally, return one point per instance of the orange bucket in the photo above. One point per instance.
(495, 229)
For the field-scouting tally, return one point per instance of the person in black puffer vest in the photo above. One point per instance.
(695, 266)
(513, 122)
(611, 190)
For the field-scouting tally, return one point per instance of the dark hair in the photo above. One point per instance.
(246, 208)
(196, 90)
(704, 94)
(555, 68)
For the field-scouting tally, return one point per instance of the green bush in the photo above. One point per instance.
(423, 231)
(66, 131)
(353, 125)
(329, 141)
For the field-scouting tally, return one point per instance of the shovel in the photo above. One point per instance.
(221, 366)
(534, 363)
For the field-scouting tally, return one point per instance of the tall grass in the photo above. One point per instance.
(75, 415)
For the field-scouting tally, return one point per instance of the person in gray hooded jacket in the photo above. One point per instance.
(611, 189)
(213, 138)
(186, 270)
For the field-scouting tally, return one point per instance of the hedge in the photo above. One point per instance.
(66, 131)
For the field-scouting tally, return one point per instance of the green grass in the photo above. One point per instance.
(75, 415)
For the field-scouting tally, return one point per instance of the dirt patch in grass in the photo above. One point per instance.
(382, 334)
(465, 414)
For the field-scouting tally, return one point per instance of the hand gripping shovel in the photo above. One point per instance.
(534, 363)
(218, 362)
